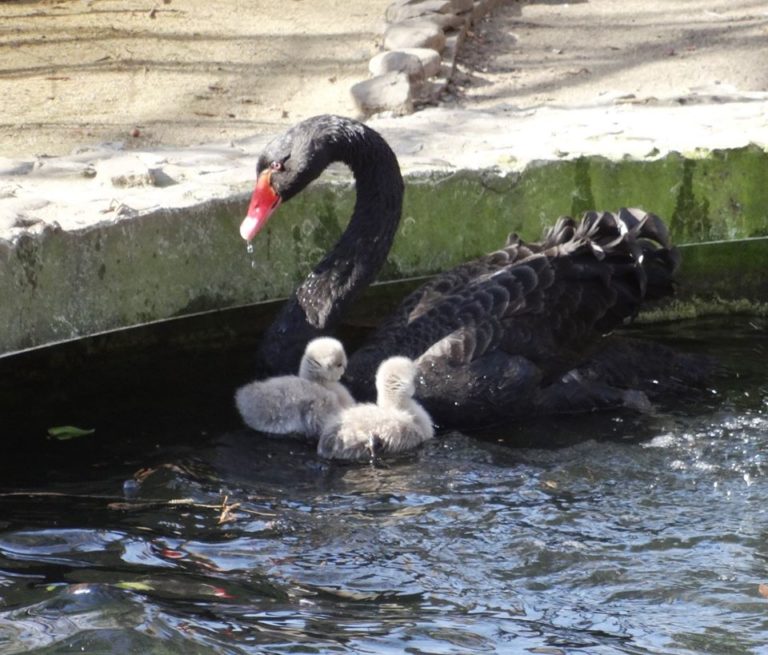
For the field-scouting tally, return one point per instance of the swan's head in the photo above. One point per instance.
(292, 160)
(395, 380)
(324, 360)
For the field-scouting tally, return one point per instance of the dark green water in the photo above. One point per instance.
(641, 534)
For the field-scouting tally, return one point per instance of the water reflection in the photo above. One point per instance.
(638, 535)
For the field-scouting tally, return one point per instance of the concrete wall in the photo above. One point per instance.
(58, 284)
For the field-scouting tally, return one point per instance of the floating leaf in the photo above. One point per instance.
(762, 589)
(65, 432)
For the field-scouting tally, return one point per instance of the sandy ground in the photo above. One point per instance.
(586, 52)
(174, 72)
(148, 73)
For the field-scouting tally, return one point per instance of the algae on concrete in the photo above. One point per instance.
(57, 285)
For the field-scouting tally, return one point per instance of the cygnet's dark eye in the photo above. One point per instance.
(277, 166)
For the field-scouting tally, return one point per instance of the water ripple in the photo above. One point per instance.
(644, 536)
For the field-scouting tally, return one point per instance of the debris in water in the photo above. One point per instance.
(227, 511)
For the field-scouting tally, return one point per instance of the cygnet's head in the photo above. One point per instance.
(324, 360)
(395, 379)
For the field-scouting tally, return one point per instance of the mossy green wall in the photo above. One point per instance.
(60, 285)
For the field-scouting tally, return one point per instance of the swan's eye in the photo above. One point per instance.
(277, 166)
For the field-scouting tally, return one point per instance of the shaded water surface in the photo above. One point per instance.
(172, 530)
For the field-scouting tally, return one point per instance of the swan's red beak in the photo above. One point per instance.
(263, 202)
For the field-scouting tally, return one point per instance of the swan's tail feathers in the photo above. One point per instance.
(630, 250)
(627, 228)
(631, 240)
(561, 233)
(660, 260)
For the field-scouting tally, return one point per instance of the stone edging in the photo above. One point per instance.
(421, 41)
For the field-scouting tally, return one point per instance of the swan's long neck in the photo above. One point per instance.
(353, 262)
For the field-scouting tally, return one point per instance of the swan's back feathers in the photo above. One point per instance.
(547, 301)
(460, 281)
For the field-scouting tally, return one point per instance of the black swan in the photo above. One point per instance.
(395, 424)
(517, 332)
(300, 404)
